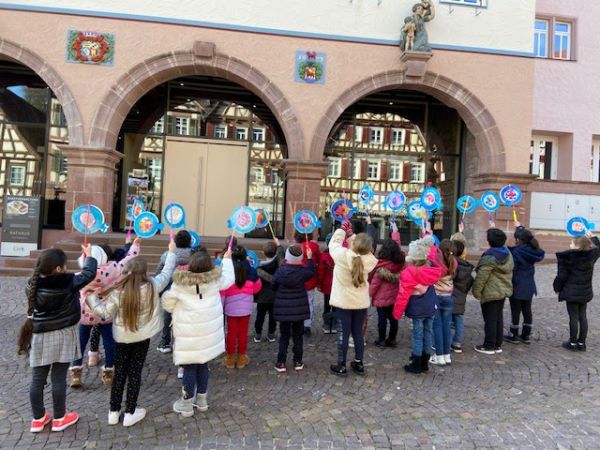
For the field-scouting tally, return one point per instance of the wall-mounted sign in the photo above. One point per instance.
(89, 47)
(20, 225)
(309, 67)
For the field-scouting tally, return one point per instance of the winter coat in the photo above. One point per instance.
(183, 259)
(445, 284)
(239, 301)
(266, 270)
(463, 281)
(524, 257)
(343, 293)
(573, 282)
(316, 257)
(56, 304)
(384, 283)
(150, 322)
(414, 281)
(325, 272)
(494, 275)
(106, 276)
(194, 301)
(291, 299)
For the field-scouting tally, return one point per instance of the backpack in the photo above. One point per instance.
(422, 306)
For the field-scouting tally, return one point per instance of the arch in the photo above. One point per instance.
(64, 95)
(476, 116)
(130, 87)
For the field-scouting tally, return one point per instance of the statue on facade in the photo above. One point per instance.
(413, 35)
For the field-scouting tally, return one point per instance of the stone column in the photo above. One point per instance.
(303, 189)
(91, 179)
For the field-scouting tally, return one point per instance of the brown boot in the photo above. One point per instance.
(243, 361)
(75, 377)
(107, 376)
(229, 361)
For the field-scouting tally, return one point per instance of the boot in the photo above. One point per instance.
(107, 376)
(201, 402)
(75, 377)
(242, 361)
(415, 365)
(184, 407)
(229, 361)
(425, 362)
(526, 333)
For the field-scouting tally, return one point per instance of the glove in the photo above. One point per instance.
(347, 227)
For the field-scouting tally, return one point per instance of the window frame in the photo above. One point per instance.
(402, 132)
(338, 163)
(217, 131)
(561, 35)
(391, 166)
(244, 130)
(547, 37)
(379, 130)
(421, 166)
(260, 171)
(378, 164)
(258, 130)
(551, 34)
(23, 167)
(180, 126)
(595, 161)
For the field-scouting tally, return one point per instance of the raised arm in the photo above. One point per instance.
(88, 273)
(336, 245)
(164, 277)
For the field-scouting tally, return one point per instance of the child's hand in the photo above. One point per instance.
(308, 253)
(137, 241)
(87, 250)
(461, 227)
(276, 241)
(517, 224)
(172, 246)
(589, 233)
(492, 224)
(369, 219)
(227, 254)
(128, 239)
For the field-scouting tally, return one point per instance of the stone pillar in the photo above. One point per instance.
(91, 179)
(303, 189)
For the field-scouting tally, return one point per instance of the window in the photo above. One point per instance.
(562, 40)
(182, 126)
(398, 136)
(540, 39)
(358, 131)
(595, 175)
(356, 169)
(221, 131)
(373, 170)
(334, 168)
(417, 173)
(257, 175)
(543, 158)
(241, 134)
(480, 3)
(17, 176)
(376, 135)
(258, 135)
(395, 169)
(158, 127)
(552, 38)
(155, 169)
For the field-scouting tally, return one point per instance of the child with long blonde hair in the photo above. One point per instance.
(134, 304)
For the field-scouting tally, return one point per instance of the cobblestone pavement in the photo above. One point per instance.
(538, 396)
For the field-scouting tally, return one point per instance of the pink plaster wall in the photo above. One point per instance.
(503, 84)
(567, 93)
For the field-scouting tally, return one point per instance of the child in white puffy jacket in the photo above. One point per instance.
(195, 304)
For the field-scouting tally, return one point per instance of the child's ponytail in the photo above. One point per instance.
(358, 272)
(448, 250)
(26, 331)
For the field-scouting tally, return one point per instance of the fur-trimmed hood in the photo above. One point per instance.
(386, 275)
(187, 278)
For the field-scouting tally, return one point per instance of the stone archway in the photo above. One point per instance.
(476, 116)
(70, 109)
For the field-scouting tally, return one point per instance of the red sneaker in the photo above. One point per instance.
(38, 425)
(64, 423)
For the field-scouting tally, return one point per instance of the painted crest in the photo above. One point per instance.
(90, 47)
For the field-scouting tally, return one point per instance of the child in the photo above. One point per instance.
(463, 281)
(443, 257)
(493, 283)
(195, 304)
(525, 254)
(409, 28)
(109, 271)
(417, 297)
(350, 292)
(238, 302)
(49, 334)
(383, 289)
(291, 304)
(573, 283)
(305, 242)
(266, 296)
(134, 304)
(325, 280)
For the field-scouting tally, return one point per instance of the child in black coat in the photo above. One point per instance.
(266, 296)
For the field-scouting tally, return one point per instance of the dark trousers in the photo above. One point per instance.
(577, 321)
(262, 309)
(518, 307)
(295, 330)
(494, 325)
(129, 362)
(384, 315)
(94, 339)
(107, 339)
(352, 321)
(195, 380)
(329, 319)
(165, 336)
(58, 378)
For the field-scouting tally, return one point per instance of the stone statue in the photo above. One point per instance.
(413, 35)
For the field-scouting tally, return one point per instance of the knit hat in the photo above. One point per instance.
(293, 254)
(459, 237)
(98, 254)
(419, 249)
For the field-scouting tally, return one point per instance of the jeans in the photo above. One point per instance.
(422, 336)
(107, 340)
(295, 330)
(237, 335)
(577, 321)
(311, 300)
(352, 321)
(129, 362)
(195, 379)
(516, 308)
(262, 309)
(442, 333)
(59, 389)
(165, 337)
(494, 324)
(459, 328)
(384, 314)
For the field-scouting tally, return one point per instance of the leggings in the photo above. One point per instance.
(384, 314)
(237, 334)
(59, 389)
(94, 339)
(518, 307)
(129, 362)
(352, 324)
(262, 309)
(577, 321)
(195, 379)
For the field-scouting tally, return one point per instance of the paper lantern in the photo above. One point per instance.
(88, 219)
(306, 222)
(147, 225)
(490, 201)
(395, 200)
(510, 195)
(342, 210)
(431, 198)
(365, 195)
(578, 226)
(175, 215)
(243, 220)
(466, 204)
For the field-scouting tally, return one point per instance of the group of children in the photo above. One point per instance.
(203, 307)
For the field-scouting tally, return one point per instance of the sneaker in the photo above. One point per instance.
(380, 344)
(581, 346)
(298, 366)
(257, 338)
(357, 367)
(201, 402)
(280, 367)
(164, 349)
(75, 377)
(132, 419)
(271, 338)
(327, 330)
(38, 425)
(338, 369)
(107, 376)
(307, 331)
(113, 417)
(351, 342)
(569, 345)
(65, 422)
(93, 359)
(456, 348)
(525, 340)
(447, 359)
(180, 373)
(185, 407)
(498, 350)
(484, 350)
(391, 344)
(437, 360)
(513, 339)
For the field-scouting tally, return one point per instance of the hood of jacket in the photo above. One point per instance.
(527, 253)
(464, 265)
(577, 256)
(57, 281)
(500, 254)
(187, 278)
(424, 275)
(291, 275)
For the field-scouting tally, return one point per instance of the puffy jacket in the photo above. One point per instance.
(384, 282)
(316, 257)
(57, 298)
(494, 275)
(183, 255)
(291, 299)
(265, 271)
(325, 272)
(463, 281)
(150, 321)
(573, 281)
(194, 301)
(445, 285)
(414, 281)
(343, 293)
(524, 257)
(239, 301)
